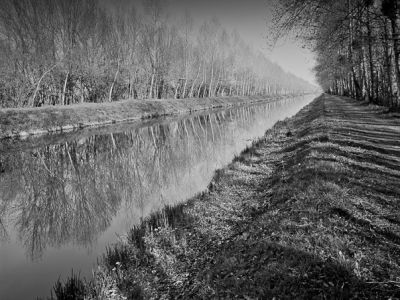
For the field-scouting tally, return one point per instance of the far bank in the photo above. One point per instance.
(37, 121)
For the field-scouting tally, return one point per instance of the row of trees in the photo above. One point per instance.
(72, 51)
(357, 44)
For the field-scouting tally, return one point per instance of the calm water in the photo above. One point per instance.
(64, 198)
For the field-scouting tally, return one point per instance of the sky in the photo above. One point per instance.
(252, 19)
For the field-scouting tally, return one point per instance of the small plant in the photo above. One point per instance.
(117, 255)
(169, 216)
(73, 288)
(217, 177)
(136, 235)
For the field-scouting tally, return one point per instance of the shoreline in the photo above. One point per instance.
(23, 122)
(309, 210)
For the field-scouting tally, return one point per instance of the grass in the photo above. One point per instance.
(116, 256)
(308, 211)
(73, 288)
(248, 151)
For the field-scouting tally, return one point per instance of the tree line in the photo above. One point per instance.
(59, 52)
(357, 43)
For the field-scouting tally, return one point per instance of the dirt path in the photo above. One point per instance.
(311, 210)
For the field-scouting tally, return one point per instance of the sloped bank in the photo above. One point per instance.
(310, 211)
(23, 122)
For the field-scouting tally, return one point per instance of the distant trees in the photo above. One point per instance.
(59, 52)
(357, 44)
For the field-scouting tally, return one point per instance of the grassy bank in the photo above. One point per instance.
(311, 210)
(35, 121)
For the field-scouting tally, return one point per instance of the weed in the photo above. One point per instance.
(168, 217)
(117, 255)
(136, 235)
(218, 175)
(73, 288)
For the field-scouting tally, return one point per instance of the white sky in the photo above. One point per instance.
(290, 55)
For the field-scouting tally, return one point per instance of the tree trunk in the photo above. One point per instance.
(194, 81)
(204, 83)
(217, 84)
(243, 85)
(176, 90)
(211, 79)
(396, 51)
(113, 83)
(64, 89)
(371, 59)
(364, 80)
(151, 86)
(356, 90)
(388, 62)
(38, 84)
(82, 89)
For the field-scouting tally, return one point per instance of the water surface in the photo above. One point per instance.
(64, 198)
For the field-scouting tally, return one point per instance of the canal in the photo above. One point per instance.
(64, 198)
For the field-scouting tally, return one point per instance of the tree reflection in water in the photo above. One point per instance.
(72, 192)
